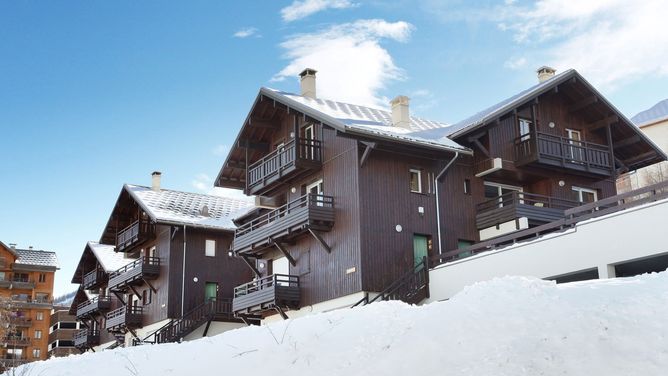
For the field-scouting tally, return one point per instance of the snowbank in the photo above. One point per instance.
(508, 326)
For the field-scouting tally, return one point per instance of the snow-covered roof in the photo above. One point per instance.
(656, 113)
(175, 207)
(109, 259)
(35, 257)
(366, 120)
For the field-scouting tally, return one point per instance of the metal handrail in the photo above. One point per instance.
(307, 200)
(266, 282)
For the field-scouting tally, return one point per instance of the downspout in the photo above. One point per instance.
(438, 211)
(183, 277)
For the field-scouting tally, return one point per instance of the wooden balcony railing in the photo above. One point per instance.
(134, 273)
(570, 218)
(96, 305)
(543, 148)
(284, 163)
(536, 208)
(277, 291)
(135, 234)
(86, 338)
(94, 279)
(125, 317)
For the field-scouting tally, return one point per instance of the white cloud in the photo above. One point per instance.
(220, 150)
(610, 41)
(247, 32)
(304, 8)
(515, 63)
(202, 182)
(351, 63)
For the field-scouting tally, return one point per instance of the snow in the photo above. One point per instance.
(507, 326)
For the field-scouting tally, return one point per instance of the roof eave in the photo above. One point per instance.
(422, 144)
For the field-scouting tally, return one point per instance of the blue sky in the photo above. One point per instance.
(94, 94)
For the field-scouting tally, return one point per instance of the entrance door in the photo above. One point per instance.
(315, 188)
(211, 291)
(576, 152)
(420, 248)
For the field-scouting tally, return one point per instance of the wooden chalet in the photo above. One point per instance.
(171, 273)
(353, 200)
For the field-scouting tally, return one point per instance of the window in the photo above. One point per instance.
(210, 248)
(525, 129)
(2, 276)
(68, 325)
(146, 297)
(315, 188)
(39, 316)
(38, 334)
(502, 191)
(467, 186)
(3, 262)
(42, 277)
(36, 353)
(416, 180)
(21, 277)
(576, 152)
(584, 195)
(210, 291)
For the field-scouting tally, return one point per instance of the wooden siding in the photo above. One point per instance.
(385, 202)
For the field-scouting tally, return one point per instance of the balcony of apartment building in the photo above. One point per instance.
(277, 292)
(94, 306)
(94, 279)
(15, 341)
(86, 338)
(306, 214)
(20, 322)
(7, 361)
(516, 205)
(545, 150)
(24, 301)
(126, 317)
(134, 274)
(19, 281)
(287, 162)
(134, 235)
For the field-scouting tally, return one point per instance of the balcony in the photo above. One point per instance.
(20, 322)
(22, 301)
(136, 234)
(86, 338)
(14, 341)
(311, 211)
(538, 209)
(281, 165)
(18, 282)
(135, 273)
(548, 150)
(94, 279)
(94, 306)
(124, 318)
(274, 292)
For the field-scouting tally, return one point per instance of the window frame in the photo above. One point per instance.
(210, 248)
(580, 190)
(418, 172)
(37, 334)
(520, 122)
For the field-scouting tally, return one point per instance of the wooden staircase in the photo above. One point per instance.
(412, 287)
(176, 329)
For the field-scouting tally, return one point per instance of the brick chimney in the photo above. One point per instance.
(545, 73)
(400, 115)
(155, 180)
(307, 82)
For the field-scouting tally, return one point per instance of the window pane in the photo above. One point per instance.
(491, 191)
(210, 248)
(415, 181)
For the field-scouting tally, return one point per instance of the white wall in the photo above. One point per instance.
(326, 306)
(216, 327)
(598, 243)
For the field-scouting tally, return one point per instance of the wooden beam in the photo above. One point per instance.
(320, 240)
(252, 266)
(612, 151)
(628, 141)
(367, 151)
(150, 285)
(480, 146)
(236, 164)
(584, 103)
(262, 124)
(253, 145)
(640, 158)
(135, 291)
(603, 122)
(285, 253)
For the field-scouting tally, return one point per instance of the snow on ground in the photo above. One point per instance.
(507, 326)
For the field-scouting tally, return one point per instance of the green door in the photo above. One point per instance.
(420, 248)
(211, 290)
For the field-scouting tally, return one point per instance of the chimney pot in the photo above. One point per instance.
(307, 82)
(400, 113)
(30, 247)
(12, 245)
(155, 180)
(545, 73)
